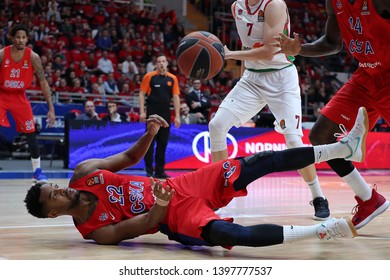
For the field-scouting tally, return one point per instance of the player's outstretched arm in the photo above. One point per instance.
(126, 158)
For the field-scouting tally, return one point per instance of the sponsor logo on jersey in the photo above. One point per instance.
(103, 216)
(95, 180)
(365, 10)
(6, 63)
(169, 83)
(239, 12)
(260, 16)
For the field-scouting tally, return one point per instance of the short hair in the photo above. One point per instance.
(111, 102)
(18, 27)
(34, 207)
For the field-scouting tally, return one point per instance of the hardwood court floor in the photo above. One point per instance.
(279, 199)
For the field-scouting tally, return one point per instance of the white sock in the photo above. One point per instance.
(296, 233)
(358, 185)
(315, 188)
(329, 151)
(36, 163)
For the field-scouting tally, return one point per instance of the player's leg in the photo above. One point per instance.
(370, 203)
(223, 233)
(219, 126)
(241, 104)
(24, 120)
(284, 100)
(351, 147)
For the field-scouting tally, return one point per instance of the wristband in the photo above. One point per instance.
(161, 202)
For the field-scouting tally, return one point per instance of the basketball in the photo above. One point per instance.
(200, 55)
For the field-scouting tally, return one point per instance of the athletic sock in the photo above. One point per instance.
(36, 163)
(296, 233)
(358, 185)
(315, 188)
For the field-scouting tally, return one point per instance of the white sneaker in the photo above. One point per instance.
(355, 140)
(336, 228)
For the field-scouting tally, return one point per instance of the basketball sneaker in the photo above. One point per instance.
(336, 228)
(367, 210)
(321, 208)
(355, 140)
(38, 176)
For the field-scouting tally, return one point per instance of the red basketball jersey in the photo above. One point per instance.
(16, 76)
(120, 197)
(365, 33)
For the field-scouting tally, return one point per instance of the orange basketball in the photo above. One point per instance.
(200, 55)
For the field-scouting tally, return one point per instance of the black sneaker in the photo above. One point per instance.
(161, 175)
(321, 208)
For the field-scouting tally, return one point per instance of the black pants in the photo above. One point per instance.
(161, 141)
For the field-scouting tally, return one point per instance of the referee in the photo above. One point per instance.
(160, 87)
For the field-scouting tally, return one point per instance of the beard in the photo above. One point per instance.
(75, 199)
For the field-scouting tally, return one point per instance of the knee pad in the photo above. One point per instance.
(219, 126)
(293, 141)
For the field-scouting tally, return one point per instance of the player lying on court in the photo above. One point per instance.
(110, 208)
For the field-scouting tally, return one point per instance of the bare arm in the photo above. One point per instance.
(37, 64)
(330, 43)
(124, 159)
(138, 225)
(274, 22)
(176, 106)
(141, 101)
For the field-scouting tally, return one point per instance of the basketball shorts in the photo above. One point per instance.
(278, 89)
(197, 194)
(20, 108)
(360, 90)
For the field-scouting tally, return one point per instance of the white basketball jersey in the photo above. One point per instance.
(250, 27)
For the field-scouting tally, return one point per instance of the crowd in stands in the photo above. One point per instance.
(96, 49)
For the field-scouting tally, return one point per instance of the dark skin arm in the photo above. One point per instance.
(37, 64)
(138, 225)
(141, 224)
(124, 159)
(331, 42)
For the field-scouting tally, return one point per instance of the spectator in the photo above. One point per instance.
(89, 112)
(189, 118)
(104, 41)
(105, 65)
(110, 85)
(129, 67)
(197, 101)
(112, 113)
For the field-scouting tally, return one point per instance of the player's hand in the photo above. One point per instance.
(51, 118)
(154, 122)
(227, 52)
(287, 45)
(163, 196)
